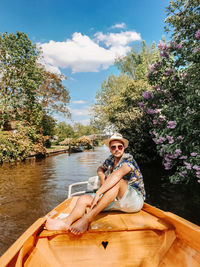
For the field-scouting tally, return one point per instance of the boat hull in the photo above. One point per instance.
(150, 237)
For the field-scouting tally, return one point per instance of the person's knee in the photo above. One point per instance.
(85, 199)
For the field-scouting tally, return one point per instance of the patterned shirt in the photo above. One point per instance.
(134, 177)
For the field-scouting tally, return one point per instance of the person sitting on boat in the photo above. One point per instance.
(121, 189)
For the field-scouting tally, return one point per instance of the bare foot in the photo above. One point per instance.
(56, 224)
(81, 226)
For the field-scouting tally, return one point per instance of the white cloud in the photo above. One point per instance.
(83, 54)
(78, 102)
(118, 39)
(119, 26)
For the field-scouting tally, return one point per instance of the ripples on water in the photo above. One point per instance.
(30, 190)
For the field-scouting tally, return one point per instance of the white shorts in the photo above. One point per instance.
(132, 201)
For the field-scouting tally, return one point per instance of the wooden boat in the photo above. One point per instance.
(151, 237)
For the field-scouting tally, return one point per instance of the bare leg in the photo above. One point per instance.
(78, 211)
(118, 190)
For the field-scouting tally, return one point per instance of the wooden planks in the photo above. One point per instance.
(126, 248)
(180, 254)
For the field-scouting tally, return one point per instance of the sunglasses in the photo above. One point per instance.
(120, 147)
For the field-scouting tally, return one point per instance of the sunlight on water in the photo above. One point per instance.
(29, 190)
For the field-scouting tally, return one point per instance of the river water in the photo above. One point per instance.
(29, 190)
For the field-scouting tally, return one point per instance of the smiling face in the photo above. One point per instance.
(116, 148)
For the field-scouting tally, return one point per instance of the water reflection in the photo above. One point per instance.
(29, 190)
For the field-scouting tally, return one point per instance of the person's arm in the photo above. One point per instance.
(101, 174)
(111, 181)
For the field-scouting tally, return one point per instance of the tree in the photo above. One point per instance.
(64, 130)
(117, 102)
(53, 95)
(20, 79)
(173, 105)
(48, 126)
(136, 63)
(102, 110)
(84, 130)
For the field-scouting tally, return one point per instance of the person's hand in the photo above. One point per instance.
(95, 200)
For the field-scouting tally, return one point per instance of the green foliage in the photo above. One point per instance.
(20, 79)
(28, 94)
(109, 93)
(13, 147)
(84, 130)
(63, 131)
(17, 145)
(136, 63)
(173, 105)
(117, 102)
(48, 125)
(53, 95)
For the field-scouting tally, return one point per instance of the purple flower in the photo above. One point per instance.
(162, 118)
(178, 151)
(198, 181)
(188, 165)
(150, 111)
(171, 124)
(154, 66)
(183, 157)
(157, 110)
(148, 75)
(180, 137)
(147, 95)
(168, 71)
(160, 140)
(182, 174)
(193, 154)
(178, 46)
(155, 122)
(175, 46)
(196, 167)
(197, 34)
(164, 54)
(154, 133)
(170, 139)
(162, 46)
(167, 166)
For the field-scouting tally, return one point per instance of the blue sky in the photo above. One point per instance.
(81, 38)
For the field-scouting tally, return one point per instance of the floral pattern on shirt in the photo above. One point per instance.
(134, 177)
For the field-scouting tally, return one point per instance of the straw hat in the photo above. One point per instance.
(119, 137)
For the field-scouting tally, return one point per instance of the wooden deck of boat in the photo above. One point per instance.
(150, 237)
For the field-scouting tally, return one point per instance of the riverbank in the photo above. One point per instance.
(54, 150)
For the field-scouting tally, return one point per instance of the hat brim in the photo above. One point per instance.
(123, 140)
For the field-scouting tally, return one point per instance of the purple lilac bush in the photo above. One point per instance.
(173, 105)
